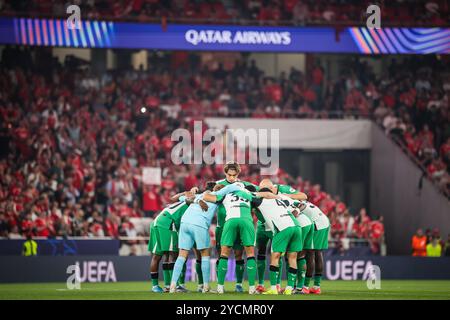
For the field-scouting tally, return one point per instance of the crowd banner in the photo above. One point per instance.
(113, 34)
(151, 175)
(15, 269)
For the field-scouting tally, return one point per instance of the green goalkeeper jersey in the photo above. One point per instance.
(170, 216)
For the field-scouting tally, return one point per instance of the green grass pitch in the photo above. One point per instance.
(331, 290)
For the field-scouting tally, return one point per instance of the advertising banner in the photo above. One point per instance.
(115, 268)
(108, 34)
(63, 247)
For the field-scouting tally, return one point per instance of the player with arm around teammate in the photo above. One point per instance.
(163, 241)
(287, 238)
(194, 230)
(231, 171)
(264, 234)
(238, 227)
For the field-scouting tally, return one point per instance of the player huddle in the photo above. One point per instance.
(297, 231)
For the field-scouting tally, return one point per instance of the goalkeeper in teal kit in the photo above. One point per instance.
(194, 230)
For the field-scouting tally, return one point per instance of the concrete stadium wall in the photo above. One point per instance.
(306, 134)
(395, 195)
(274, 63)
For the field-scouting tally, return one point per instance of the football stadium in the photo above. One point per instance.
(225, 150)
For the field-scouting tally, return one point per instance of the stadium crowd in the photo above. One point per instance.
(78, 143)
(297, 12)
(414, 110)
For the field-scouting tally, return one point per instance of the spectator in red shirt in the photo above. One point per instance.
(437, 168)
(376, 233)
(376, 228)
(412, 142)
(317, 195)
(136, 211)
(355, 101)
(328, 204)
(191, 180)
(27, 226)
(151, 204)
(124, 210)
(356, 230)
(317, 75)
(389, 99)
(112, 227)
(427, 135)
(364, 223)
(273, 91)
(40, 225)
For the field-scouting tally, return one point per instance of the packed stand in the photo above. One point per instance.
(413, 108)
(77, 144)
(272, 12)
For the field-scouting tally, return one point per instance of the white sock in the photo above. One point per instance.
(220, 286)
(238, 284)
(288, 288)
(273, 287)
(251, 288)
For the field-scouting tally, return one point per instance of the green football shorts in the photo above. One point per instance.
(288, 240)
(237, 245)
(320, 239)
(237, 229)
(162, 240)
(307, 236)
